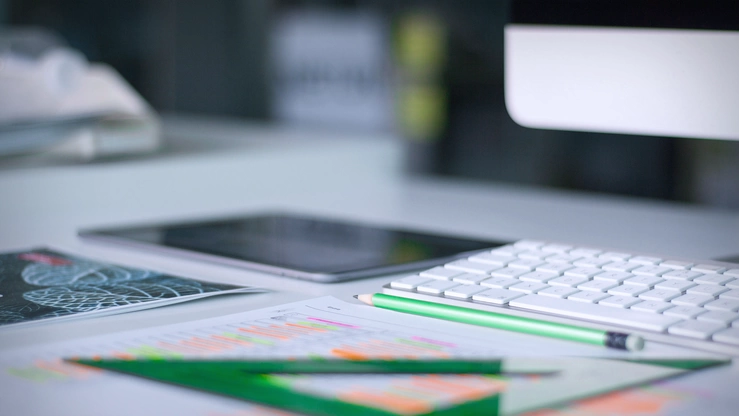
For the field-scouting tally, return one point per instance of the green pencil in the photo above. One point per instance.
(599, 337)
(318, 366)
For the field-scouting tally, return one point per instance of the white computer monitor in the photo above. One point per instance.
(647, 67)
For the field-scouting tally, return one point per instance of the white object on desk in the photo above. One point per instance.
(621, 299)
(57, 104)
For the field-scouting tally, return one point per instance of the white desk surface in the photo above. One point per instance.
(222, 167)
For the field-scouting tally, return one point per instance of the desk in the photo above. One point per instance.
(217, 167)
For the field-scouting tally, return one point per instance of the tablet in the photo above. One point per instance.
(317, 249)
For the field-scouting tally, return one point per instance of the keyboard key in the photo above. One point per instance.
(558, 291)
(493, 259)
(709, 290)
(470, 279)
(620, 266)
(676, 285)
(588, 297)
(497, 296)
(557, 248)
(585, 272)
(570, 281)
(681, 275)
(615, 277)
(731, 294)
(410, 282)
(586, 252)
(499, 282)
(440, 273)
(733, 284)
(558, 268)
(677, 264)
(528, 287)
(695, 329)
(436, 287)
(728, 336)
(708, 268)
(529, 244)
(527, 265)
(628, 290)
(562, 258)
(464, 291)
(471, 267)
(713, 279)
(651, 306)
(597, 285)
(615, 256)
(538, 276)
(729, 305)
(651, 271)
(692, 300)
(508, 272)
(506, 251)
(645, 281)
(534, 254)
(645, 260)
(721, 317)
(685, 312)
(591, 312)
(732, 272)
(619, 301)
(661, 295)
(591, 262)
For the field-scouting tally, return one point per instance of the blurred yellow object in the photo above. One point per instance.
(421, 44)
(421, 54)
(422, 112)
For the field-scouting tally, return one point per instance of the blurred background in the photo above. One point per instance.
(430, 72)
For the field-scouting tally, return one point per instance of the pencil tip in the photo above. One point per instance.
(365, 298)
(356, 296)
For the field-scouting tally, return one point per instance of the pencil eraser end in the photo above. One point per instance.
(634, 343)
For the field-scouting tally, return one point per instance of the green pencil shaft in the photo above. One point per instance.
(490, 319)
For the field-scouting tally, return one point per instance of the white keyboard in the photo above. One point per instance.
(692, 304)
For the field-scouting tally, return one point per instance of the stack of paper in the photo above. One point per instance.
(327, 328)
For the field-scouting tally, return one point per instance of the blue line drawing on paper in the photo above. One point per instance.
(80, 273)
(85, 298)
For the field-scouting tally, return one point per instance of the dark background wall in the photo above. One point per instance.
(212, 57)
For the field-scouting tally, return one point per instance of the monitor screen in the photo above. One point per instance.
(646, 67)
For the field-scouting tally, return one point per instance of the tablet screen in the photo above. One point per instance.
(307, 244)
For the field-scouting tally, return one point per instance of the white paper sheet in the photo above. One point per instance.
(35, 382)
